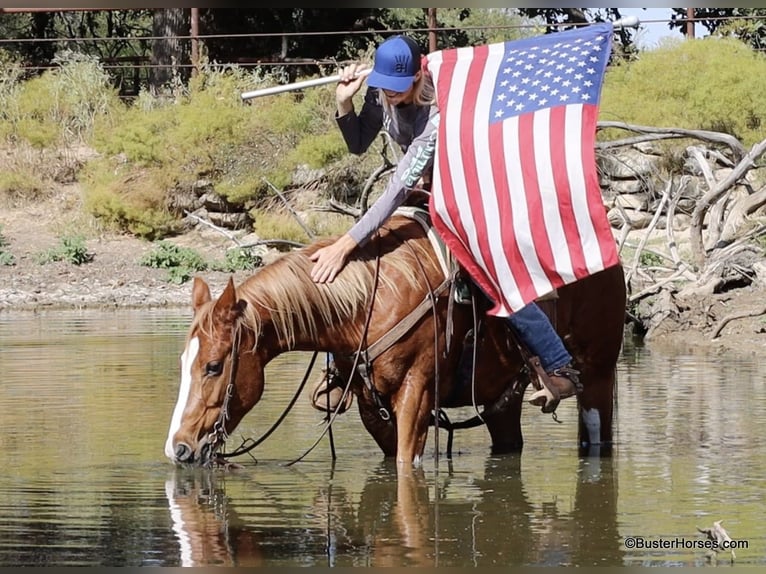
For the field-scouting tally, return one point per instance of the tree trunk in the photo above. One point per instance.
(170, 54)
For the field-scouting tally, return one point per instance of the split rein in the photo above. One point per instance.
(219, 434)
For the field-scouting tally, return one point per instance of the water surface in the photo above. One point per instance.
(87, 398)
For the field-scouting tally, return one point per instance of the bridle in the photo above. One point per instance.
(219, 435)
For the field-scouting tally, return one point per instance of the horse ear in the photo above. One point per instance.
(200, 293)
(227, 306)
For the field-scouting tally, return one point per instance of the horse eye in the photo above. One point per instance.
(213, 368)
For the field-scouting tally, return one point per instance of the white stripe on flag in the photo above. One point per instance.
(575, 172)
(549, 197)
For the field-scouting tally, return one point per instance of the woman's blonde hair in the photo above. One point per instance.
(423, 92)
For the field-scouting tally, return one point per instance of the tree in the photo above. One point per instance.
(747, 24)
(170, 54)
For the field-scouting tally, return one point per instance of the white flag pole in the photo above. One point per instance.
(297, 86)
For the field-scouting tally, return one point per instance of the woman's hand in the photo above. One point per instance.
(348, 85)
(328, 261)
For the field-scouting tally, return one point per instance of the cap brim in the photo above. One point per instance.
(392, 83)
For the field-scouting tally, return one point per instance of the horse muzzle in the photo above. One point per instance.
(184, 454)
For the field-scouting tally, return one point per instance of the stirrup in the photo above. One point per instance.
(548, 396)
(462, 291)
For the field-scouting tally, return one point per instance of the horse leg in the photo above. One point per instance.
(504, 425)
(596, 406)
(412, 404)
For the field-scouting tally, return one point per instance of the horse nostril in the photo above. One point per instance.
(183, 452)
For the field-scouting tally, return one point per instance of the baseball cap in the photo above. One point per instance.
(397, 60)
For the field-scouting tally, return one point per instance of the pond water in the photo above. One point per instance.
(87, 397)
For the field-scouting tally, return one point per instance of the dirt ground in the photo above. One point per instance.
(115, 278)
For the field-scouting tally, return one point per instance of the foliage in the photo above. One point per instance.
(18, 185)
(6, 257)
(238, 259)
(710, 83)
(71, 249)
(277, 225)
(60, 106)
(180, 262)
(746, 24)
(126, 198)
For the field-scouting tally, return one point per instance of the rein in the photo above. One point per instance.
(219, 434)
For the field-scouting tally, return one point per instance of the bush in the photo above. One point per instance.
(181, 262)
(72, 250)
(710, 83)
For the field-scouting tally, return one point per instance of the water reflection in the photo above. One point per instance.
(405, 520)
(86, 482)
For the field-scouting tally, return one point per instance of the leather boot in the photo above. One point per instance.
(566, 382)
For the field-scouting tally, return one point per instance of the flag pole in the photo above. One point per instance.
(297, 85)
(627, 22)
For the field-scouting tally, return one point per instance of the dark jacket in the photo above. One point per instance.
(414, 128)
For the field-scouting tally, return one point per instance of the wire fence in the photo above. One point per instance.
(132, 72)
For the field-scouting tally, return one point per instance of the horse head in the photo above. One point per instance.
(221, 377)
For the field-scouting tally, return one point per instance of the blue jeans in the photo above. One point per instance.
(536, 331)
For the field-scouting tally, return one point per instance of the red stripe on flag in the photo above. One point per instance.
(454, 241)
(510, 247)
(537, 225)
(596, 206)
(558, 146)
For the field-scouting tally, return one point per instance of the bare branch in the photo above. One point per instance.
(220, 230)
(704, 203)
(704, 135)
(734, 316)
(297, 217)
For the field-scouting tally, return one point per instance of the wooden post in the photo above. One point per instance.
(432, 30)
(194, 41)
(690, 23)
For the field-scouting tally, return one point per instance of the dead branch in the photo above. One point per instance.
(713, 137)
(739, 212)
(384, 167)
(269, 242)
(648, 231)
(713, 195)
(734, 316)
(220, 230)
(718, 534)
(344, 208)
(289, 207)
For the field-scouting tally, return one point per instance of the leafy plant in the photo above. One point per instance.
(72, 249)
(181, 262)
(239, 259)
(6, 258)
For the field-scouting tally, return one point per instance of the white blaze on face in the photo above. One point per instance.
(187, 360)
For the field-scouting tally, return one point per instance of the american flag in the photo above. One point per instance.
(516, 196)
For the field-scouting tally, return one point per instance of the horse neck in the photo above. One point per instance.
(327, 338)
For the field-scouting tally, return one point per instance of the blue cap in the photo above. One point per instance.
(397, 60)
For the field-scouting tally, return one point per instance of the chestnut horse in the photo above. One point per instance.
(280, 309)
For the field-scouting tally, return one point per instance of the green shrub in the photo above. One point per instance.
(238, 259)
(709, 83)
(72, 249)
(6, 257)
(180, 262)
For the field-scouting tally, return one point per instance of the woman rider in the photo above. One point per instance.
(400, 99)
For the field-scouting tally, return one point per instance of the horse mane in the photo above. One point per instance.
(294, 302)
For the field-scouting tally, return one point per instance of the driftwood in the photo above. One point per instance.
(722, 248)
(720, 538)
(734, 316)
